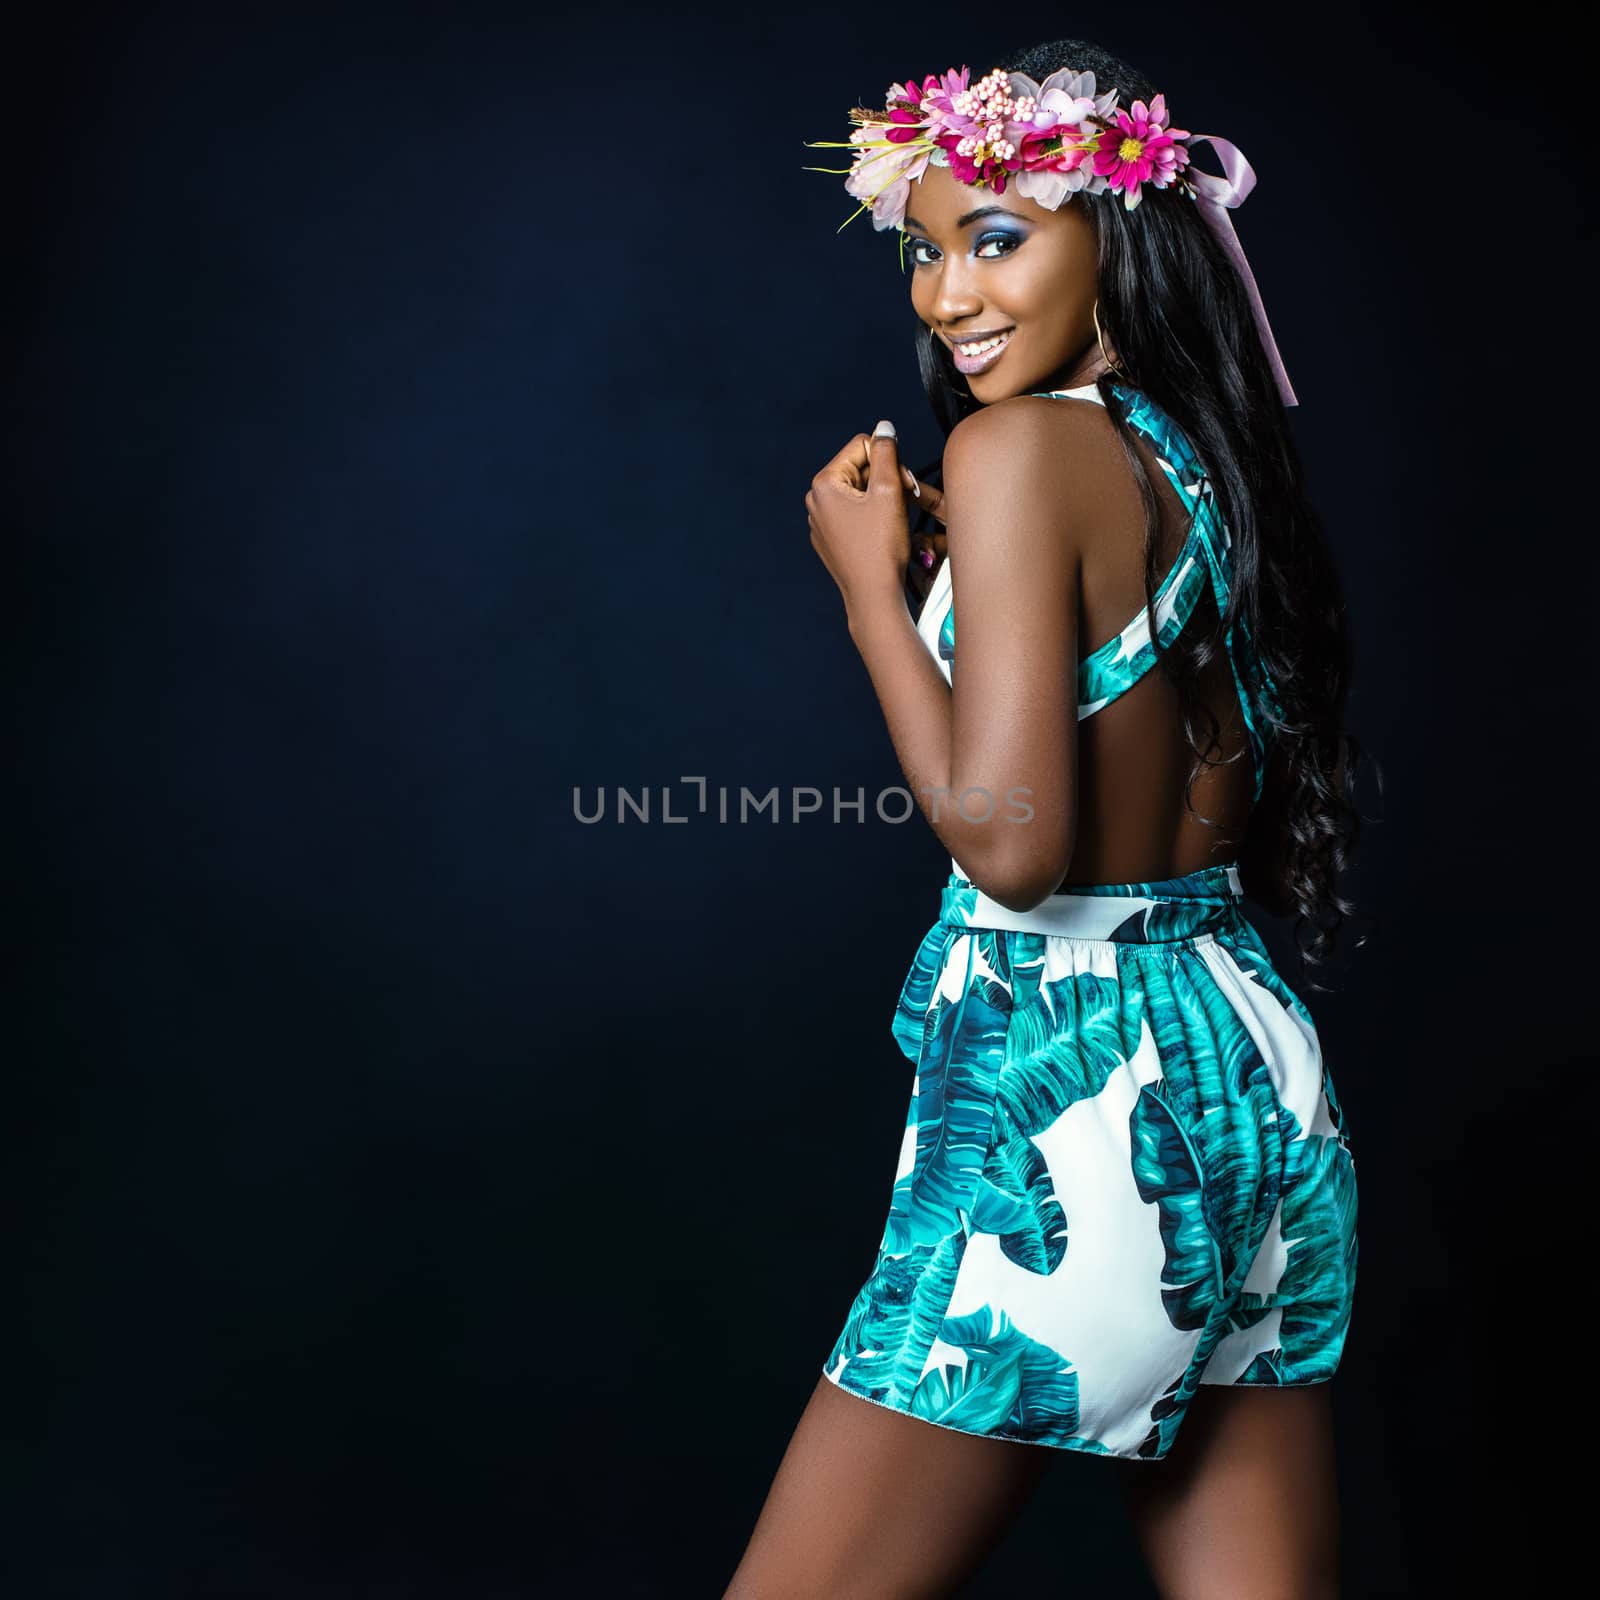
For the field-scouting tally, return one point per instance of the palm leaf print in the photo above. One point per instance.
(1206, 1050)
(978, 1397)
(1167, 921)
(1256, 964)
(1016, 1199)
(1220, 1091)
(874, 1330)
(955, 1100)
(1202, 1180)
(1335, 1110)
(884, 1341)
(1063, 1047)
(1045, 1403)
(933, 1292)
(897, 1226)
(1165, 1416)
(1169, 1176)
(1317, 1288)
(914, 1010)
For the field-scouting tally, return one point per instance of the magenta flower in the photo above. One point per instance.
(1140, 149)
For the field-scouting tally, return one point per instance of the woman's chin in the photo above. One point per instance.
(990, 387)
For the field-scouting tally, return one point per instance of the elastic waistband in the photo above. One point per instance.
(1200, 903)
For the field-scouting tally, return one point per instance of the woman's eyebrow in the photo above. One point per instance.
(971, 216)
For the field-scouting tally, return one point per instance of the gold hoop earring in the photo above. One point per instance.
(1115, 367)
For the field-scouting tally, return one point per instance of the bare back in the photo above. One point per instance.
(1133, 755)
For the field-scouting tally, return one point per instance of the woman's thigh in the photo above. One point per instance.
(869, 1504)
(1246, 1504)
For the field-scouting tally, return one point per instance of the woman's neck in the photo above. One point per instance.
(1088, 368)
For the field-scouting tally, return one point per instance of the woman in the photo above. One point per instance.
(1125, 1206)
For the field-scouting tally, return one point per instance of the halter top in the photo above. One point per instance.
(1206, 557)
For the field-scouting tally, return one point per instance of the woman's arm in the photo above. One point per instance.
(993, 761)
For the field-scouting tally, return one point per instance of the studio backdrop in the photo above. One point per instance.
(448, 1124)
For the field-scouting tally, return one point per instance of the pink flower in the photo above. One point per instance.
(1054, 137)
(1065, 100)
(1140, 149)
(939, 90)
(974, 127)
(894, 145)
(884, 172)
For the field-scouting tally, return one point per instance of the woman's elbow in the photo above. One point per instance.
(1022, 882)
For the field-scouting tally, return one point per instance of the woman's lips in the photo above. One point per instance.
(990, 353)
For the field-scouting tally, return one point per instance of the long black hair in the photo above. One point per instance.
(1178, 321)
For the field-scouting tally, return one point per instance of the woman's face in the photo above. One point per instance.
(983, 263)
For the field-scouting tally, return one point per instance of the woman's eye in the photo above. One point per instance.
(990, 247)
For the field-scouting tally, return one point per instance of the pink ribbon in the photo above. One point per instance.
(1216, 197)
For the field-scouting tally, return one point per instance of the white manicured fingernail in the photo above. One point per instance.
(885, 430)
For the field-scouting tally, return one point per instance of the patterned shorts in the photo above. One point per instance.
(1125, 1173)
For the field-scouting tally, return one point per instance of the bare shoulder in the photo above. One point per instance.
(1064, 451)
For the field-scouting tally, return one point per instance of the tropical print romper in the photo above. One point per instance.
(1125, 1170)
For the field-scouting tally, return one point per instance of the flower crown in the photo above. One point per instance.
(1053, 140)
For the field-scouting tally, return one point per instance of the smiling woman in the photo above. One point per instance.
(1002, 279)
(1124, 1206)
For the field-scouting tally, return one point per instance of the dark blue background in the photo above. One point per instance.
(418, 1193)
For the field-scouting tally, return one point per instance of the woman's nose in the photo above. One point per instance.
(955, 296)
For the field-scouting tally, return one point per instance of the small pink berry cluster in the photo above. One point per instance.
(981, 156)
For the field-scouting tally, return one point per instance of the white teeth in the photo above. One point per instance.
(984, 345)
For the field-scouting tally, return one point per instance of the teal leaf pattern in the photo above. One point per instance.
(1315, 1295)
(977, 1398)
(914, 1015)
(1016, 1200)
(1040, 1391)
(1170, 1176)
(896, 1317)
(1064, 1046)
(955, 1105)
(1100, 1152)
